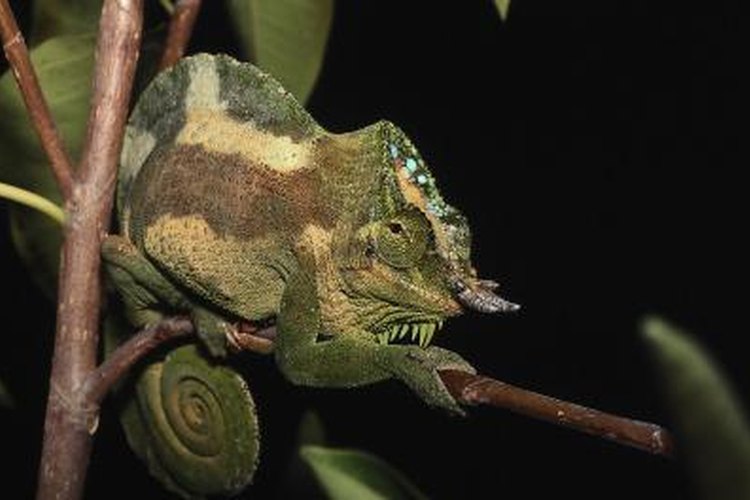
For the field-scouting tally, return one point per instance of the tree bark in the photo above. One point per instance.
(180, 29)
(69, 423)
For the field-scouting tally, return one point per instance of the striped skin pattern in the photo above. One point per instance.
(237, 208)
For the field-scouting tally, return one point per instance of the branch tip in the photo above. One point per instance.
(471, 389)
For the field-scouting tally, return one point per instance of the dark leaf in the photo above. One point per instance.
(53, 18)
(64, 66)
(6, 400)
(347, 474)
(287, 38)
(710, 427)
(502, 8)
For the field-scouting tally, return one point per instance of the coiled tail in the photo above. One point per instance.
(194, 424)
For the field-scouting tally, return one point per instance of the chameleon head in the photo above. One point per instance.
(409, 266)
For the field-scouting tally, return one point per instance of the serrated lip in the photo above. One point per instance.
(417, 331)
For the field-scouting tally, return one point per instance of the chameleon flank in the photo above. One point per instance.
(237, 208)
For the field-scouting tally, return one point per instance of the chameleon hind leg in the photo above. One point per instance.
(191, 420)
(307, 356)
(148, 296)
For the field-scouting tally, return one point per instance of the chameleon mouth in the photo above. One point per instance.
(417, 332)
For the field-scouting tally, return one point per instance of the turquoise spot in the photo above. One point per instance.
(394, 151)
(421, 179)
(411, 165)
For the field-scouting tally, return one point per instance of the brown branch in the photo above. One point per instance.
(17, 54)
(67, 440)
(180, 29)
(476, 389)
(99, 382)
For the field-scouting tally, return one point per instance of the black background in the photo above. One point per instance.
(595, 150)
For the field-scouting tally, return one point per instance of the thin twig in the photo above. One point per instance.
(476, 389)
(180, 29)
(99, 382)
(17, 54)
(67, 440)
(32, 200)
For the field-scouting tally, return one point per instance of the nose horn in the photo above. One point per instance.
(482, 298)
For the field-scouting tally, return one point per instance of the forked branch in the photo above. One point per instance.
(67, 439)
(100, 381)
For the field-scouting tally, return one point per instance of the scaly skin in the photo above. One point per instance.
(235, 206)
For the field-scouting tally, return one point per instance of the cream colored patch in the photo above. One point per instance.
(335, 309)
(416, 197)
(411, 192)
(167, 237)
(205, 86)
(139, 144)
(218, 132)
(228, 270)
(316, 241)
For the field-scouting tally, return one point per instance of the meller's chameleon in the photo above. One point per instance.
(236, 207)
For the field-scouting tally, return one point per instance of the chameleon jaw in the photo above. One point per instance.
(417, 332)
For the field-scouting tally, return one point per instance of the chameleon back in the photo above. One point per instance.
(217, 85)
(218, 164)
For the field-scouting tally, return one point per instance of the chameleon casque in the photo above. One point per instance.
(236, 207)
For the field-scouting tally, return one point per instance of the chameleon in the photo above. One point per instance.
(236, 208)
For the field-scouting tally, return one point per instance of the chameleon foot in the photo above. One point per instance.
(244, 336)
(418, 368)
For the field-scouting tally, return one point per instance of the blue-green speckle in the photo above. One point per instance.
(411, 165)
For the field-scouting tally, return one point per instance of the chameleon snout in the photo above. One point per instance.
(479, 295)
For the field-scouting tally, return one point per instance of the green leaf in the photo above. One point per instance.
(711, 430)
(347, 474)
(64, 67)
(502, 8)
(64, 17)
(287, 38)
(168, 6)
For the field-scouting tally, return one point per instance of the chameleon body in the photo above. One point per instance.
(236, 207)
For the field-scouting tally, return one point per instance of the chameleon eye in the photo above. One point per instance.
(395, 227)
(402, 241)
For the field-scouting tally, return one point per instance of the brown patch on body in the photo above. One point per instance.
(235, 195)
(336, 310)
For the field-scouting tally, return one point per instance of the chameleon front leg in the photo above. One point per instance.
(307, 357)
(148, 295)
